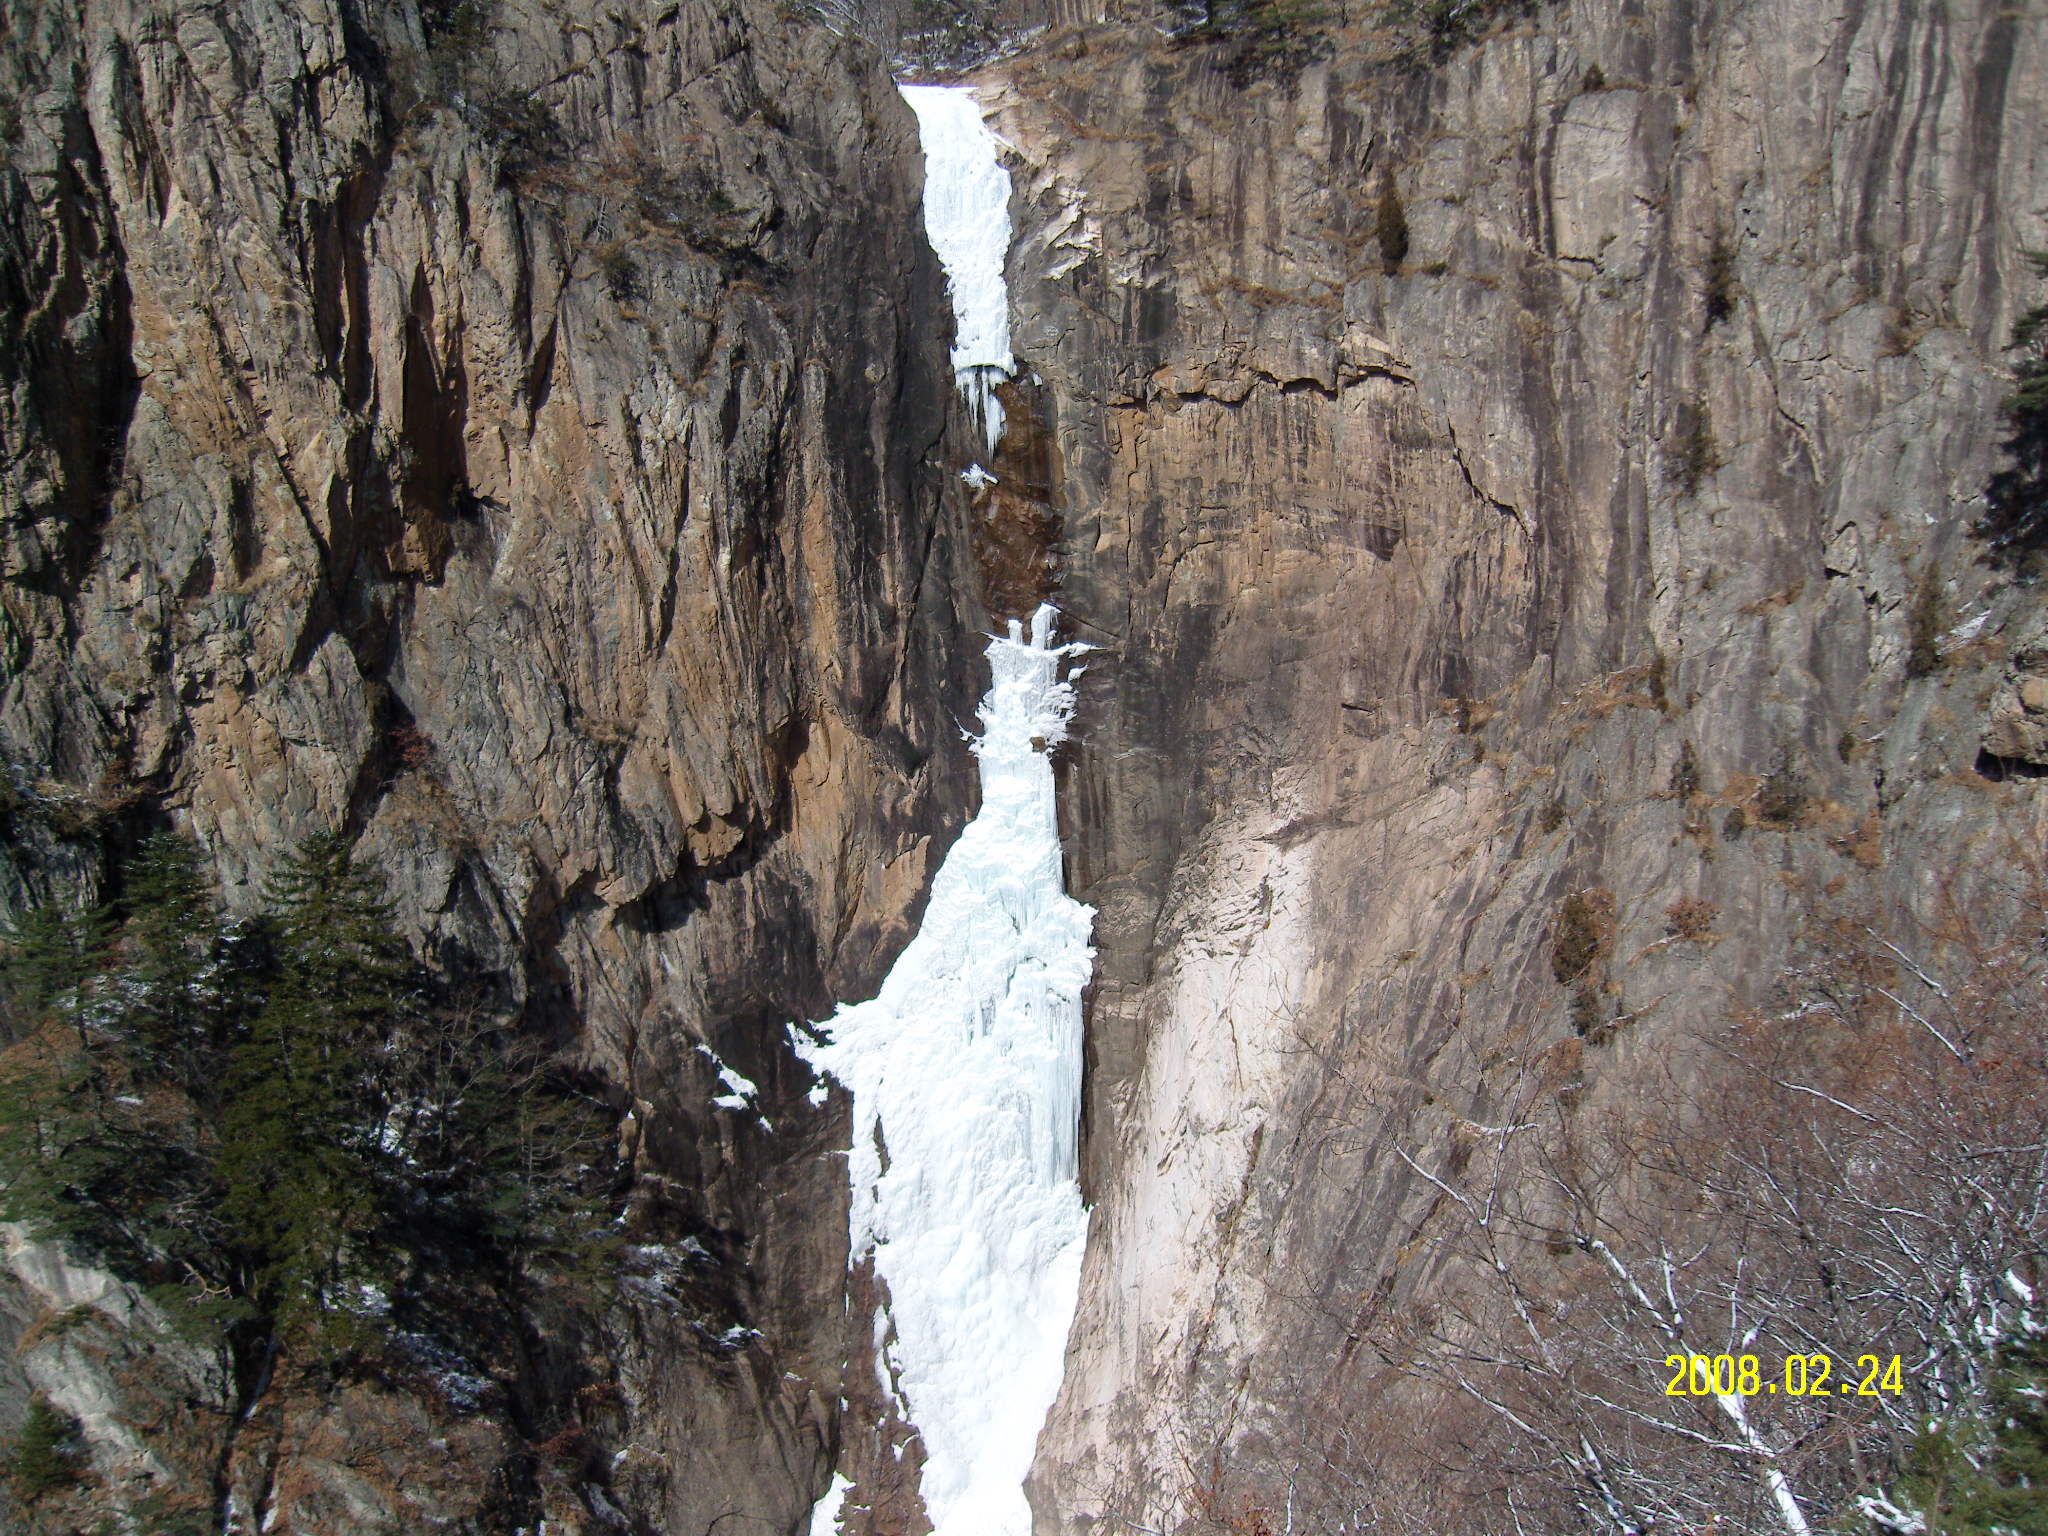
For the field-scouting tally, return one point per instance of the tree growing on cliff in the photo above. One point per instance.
(45, 1457)
(273, 1123)
(2016, 520)
(1448, 24)
(177, 976)
(84, 1155)
(1792, 1289)
(298, 1163)
(48, 959)
(1262, 37)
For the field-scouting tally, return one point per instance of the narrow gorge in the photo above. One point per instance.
(1072, 766)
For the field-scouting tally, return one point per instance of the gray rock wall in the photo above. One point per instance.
(500, 431)
(1417, 577)
(518, 454)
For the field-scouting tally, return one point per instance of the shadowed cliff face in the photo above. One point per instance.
(500, 431)
(1422, 572)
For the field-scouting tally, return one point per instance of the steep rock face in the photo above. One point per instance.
(500, 431)
(1450, 446)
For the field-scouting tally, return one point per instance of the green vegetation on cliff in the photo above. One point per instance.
(286, 1126)
(2016, 522)
(45, 1454)
(1985, 1473)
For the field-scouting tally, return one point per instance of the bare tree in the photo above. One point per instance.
(1742, 1309)
(1739, 1306)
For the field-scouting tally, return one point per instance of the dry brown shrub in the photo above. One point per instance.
(1585, 928)
(1691, 918)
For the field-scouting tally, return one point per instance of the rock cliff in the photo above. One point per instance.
(1491, 470)
(1498, 470)
(500, 431)
(1509, 474)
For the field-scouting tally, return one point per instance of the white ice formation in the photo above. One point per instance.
(965, 1073)
(967, 220)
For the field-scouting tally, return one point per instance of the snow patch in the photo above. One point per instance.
(1969, 629)
(825, 1513)
(965, 1073)
(739, 1092)
(736, 1087)
(967, 221)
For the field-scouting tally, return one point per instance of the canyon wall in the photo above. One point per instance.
(499, 432)
(1496, 470)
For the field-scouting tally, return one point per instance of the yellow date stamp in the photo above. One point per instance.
(1802, 1376)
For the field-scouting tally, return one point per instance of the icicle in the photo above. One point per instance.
(968, 1063)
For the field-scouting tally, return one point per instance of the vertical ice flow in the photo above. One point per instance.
(967, 220)
(966, 1080)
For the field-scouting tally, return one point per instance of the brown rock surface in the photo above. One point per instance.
(1416, 585)
(501, 430)
(515, 449)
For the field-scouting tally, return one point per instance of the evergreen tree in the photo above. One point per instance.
(127, 1182)
(258, 1121)
(171, 937)
(49, 1150)
(73, 1162)
(45, 1456)
(48, 957)
(335, 932)
(2016, 521)
(300, 1160)
(2010, 1492)
(1986, 1475)
(89, 1151)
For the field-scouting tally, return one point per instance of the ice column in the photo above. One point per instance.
(966, 1080)
(967, 220)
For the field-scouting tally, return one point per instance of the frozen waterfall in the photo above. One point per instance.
(965, 1069)
(967, 220)
(966, 1080)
